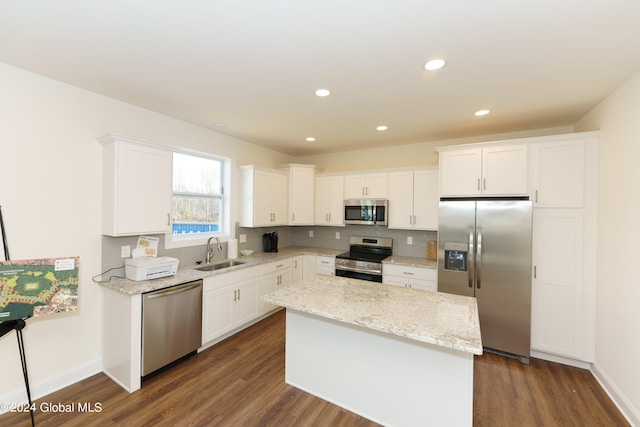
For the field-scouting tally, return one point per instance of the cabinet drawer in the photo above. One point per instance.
(325, 261)
(230, 278)
(277, 266)
(413, 272)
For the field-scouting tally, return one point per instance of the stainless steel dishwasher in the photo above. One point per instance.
(171, 324)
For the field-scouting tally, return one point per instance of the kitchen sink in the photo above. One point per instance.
(219, 265)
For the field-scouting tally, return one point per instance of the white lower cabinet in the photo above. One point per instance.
(297, 269)
(308, 266)
(228, 301)
(276, 275)
(410, 277)
(326, 265)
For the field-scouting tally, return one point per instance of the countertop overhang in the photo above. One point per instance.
(442, 319)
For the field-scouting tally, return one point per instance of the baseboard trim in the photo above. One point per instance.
(560, 359)
(47, 386)
(617, 396)
(238, 329)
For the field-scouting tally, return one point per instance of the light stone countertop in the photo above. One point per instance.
(188, 273)
(437, 318)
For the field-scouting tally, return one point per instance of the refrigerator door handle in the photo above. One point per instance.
(471, 258)
(479, 259)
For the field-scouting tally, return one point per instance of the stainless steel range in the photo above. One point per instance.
(364, 259)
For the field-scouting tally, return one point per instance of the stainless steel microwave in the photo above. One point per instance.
(366, 211)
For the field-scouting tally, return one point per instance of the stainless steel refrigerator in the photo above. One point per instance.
(484, 250)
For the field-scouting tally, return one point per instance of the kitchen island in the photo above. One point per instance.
(395, 355)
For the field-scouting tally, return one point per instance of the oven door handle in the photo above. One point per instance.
(359, 270)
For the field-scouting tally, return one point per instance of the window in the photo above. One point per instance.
(198, 196)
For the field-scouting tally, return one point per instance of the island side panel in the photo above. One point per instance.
(388, 379)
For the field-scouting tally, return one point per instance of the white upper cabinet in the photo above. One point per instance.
(301, 194)
(413, 199)
(137, 187)
(460, 172)
(366, 186)
(264, 197)
(492, 170)
(557, 173)
(329, 200)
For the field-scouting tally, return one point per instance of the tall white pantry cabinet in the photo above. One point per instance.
(564, 194)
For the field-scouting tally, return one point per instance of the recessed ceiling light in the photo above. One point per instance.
(323, 92)
(434, 64)
(482, 112)
(382, 127)
(310, 139)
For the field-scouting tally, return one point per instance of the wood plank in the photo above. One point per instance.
(240, 381)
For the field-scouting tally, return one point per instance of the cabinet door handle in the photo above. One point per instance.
(484, 183)
(235, 295)
(168, 219)
(478, 184)
(535, 272)
(238, 294)
(408, 273)
(536, 196)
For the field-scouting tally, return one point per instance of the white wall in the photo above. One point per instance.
(420, 154)
(50, 193)
(618, 285)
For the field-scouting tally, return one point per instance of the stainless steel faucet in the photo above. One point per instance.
(210, 249)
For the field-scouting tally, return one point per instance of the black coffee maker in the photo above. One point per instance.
(270, 242)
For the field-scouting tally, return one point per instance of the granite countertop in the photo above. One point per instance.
(437, 318)
(189, 273)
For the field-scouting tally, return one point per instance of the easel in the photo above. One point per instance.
(17, 325)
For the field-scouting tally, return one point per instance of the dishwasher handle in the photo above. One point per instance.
(173, 290)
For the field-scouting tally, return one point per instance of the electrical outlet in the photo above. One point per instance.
(337, 235)
(310, 233)
(243, 238)
(409, 240)
(125, 251)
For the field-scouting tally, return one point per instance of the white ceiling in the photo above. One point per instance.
(253, 65)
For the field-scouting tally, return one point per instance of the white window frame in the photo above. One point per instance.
(224, 234)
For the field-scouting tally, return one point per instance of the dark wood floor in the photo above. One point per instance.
(240, 382)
